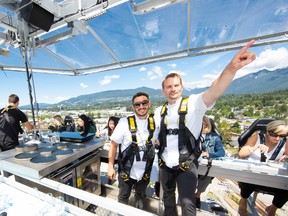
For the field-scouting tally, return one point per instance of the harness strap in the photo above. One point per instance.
(262, 141)
(278, 149)
(182, 111)
(209, 165)
(184, 141)
(134, 150)
(133, 130)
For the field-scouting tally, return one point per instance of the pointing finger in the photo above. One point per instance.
(247, 46)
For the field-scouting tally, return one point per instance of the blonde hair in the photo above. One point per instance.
(277, 126)
(59, 119)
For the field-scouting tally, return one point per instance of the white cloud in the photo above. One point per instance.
(82, 85)
(142, 69)
(268, 59)
(178, 72)
(108, 79)
(155, 73)
(172, 65)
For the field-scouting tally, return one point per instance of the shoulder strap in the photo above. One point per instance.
(132, 127)
(133, 130)
(182, 112)
(164, 110)
(278, 149)
(151, 126)
(262, 141)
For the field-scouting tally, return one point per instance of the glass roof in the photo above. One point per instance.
(88, 37)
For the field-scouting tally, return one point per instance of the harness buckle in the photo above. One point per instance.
(160, 162)
(146, 176)
(125, 177)
(183, 166)
(172, 131)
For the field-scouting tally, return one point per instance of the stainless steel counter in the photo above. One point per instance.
(266, 174)
(24, 168)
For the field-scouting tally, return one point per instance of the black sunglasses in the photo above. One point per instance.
(137, 104)
(275, 135)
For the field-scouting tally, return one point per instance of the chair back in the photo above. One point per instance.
(257, 125)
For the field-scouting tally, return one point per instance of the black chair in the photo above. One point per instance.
(257, 125)
(69, 123)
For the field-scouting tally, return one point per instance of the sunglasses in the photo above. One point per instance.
(275, 135)
(144, 103)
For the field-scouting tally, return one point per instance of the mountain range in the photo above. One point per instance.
(260, 82)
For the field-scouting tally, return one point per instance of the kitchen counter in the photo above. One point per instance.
(23, 167)
(260, 173)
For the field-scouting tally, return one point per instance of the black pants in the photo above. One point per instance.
(186, 185)
(125, 188)
(280, 196)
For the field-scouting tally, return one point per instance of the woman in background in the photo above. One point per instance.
(85, 125)
(57, 124)
(109, 128)
(212, 148)
(272, 146)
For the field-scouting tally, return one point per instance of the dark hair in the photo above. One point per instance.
(115, 120)
(87, 124)
(13, 98)
(138, 94)
(213, 126)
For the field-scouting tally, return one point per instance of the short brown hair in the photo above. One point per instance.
(13, 98)
(172, 75)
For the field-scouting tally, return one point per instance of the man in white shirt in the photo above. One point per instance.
(176, 151)
(134, 136)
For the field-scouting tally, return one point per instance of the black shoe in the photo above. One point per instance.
(198, 203)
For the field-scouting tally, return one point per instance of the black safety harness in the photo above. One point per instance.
(275, 153)
(5, 114)
(126, 158)
(188, 146)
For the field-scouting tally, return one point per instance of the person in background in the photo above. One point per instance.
(274, 148)
(134, 137)
(57, 124)
(172, 172)
(13, 116)
(69, 124)
(212, 148)
(85, 125)
(109, 128)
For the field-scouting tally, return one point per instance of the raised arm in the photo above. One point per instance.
(219, 86)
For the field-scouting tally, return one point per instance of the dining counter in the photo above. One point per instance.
(24, 167)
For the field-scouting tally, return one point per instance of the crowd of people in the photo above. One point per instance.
(179, 132)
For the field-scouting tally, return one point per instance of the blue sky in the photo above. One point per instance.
(196, 71)
(130, 36)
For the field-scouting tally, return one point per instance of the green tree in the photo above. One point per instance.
(225, 131)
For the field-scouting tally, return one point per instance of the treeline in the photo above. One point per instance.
(272, 104)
